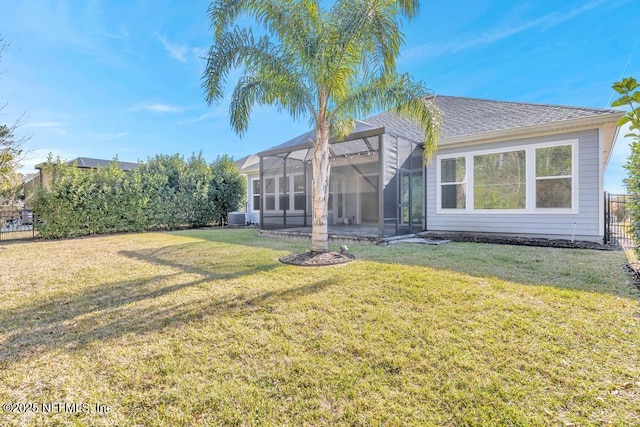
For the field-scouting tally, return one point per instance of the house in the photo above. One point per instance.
(250, 168)
(42, 178)
(505, 168)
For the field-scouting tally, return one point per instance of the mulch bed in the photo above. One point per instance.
(316, 259)
(523, 241)
(634, 271)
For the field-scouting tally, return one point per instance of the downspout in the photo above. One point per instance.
(262, 198)
(424, 192)
(286, 183)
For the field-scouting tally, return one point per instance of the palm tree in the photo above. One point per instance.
(331, 66)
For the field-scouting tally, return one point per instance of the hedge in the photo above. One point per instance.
(164, 193)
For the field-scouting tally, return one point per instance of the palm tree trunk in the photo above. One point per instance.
(320, 190)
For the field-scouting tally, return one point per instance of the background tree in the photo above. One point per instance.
(11, 153)
(227, 190)
(628, 88)
(331, 66)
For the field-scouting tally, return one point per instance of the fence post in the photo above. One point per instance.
(606, 218)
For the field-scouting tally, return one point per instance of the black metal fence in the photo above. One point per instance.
(617, 220)
(17, 225)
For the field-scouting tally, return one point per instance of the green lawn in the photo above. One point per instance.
(206, 327)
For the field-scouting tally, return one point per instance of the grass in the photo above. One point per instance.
(198, 328)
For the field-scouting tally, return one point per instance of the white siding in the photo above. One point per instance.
(253, 216)
(586, 220)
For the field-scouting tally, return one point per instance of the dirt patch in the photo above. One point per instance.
(316, 259)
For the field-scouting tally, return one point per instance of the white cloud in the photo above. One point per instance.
(200, 52)
(178, 52)
(155, 107)
(53, 126)
(488, 37)
(217, 113)
(108, 136)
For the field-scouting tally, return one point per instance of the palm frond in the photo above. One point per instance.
(263, 89)
(404, 96)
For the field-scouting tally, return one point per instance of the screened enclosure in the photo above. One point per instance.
(376, 186)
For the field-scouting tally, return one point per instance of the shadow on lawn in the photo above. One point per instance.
(107, 311)
(575, 269)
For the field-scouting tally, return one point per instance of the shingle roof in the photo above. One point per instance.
(468, 117)
(471, 116)
(306, 139)
(248, 163)
(89, 163)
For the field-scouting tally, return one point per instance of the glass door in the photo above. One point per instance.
(404, 202)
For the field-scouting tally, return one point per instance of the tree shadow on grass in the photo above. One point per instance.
(201, 258)
(575, 269)
(111, 310)
(194, 281)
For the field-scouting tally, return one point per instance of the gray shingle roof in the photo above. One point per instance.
(468, 117)
(306, 139)
(471, 116)
(247, 163)
(89, 163)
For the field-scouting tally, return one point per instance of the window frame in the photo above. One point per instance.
(542, 178)
(263, 188)
(531, 180)
(253, 194)
(278, 194)
(453, 183)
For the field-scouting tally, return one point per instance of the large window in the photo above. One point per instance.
(278, 194)
(536, 178)
(499, 181)
(554, 177)
(453, 183)
(255, 187)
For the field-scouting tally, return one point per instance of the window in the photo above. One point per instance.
(537, 178)
(278, 194)
(499, 181)
(283, 192)
(298, 192)
(554, 177)
(453, 183)
(255, 185)
(405, 197)
(269, 194)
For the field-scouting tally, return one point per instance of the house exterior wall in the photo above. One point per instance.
(253, 215)
(585, 214)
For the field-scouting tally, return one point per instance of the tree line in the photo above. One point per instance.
(166, 192)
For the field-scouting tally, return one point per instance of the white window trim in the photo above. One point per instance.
(264, 194)
(292, 193)
(530, 159)
(251, 181)
(440, 183)
(278, 193)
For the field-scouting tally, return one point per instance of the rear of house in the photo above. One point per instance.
(501, 168)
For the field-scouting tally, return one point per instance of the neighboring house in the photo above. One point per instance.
(506, 168)
(42, 178)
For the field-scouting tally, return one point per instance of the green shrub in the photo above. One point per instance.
(166, 192)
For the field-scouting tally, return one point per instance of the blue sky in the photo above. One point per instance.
(100, 78)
